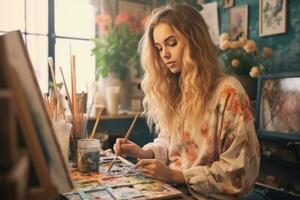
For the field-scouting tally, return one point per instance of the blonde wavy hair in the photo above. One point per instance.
(170, 99)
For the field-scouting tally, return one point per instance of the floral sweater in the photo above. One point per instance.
(219, 158)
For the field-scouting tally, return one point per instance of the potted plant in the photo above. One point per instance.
(116, 52)
(116, 45)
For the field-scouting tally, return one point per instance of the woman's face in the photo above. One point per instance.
(169, 47)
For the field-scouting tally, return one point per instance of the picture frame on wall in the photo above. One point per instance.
(133, 8)
(210, 15)
(238, 23)
(272, 17)
(228, 3)
(278, 106)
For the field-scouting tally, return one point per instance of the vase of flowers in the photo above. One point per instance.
(242, 58)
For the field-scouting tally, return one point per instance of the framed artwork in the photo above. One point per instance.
(133, 8)
(238, 23)
(210, 15)
(228, 3)
(278, 105)
(272, 17)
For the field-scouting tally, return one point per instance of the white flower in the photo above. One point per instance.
(235, 63)
(254, 72)
(224, 45)
(242, 41)
(223, 37)
(250, 46)
(235, 44)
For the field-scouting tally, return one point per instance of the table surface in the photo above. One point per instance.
(184, 196)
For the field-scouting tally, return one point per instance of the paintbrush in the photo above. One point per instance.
(124, 141)
(96, 124)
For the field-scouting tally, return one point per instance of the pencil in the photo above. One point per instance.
(125, 140)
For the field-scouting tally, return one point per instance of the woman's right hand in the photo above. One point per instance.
(127, 149)
(130, 149)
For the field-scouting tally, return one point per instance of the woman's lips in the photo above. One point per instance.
(170, 64)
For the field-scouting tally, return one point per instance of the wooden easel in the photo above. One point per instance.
(46, 188)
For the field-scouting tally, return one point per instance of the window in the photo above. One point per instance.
(74, 28)
(50, 28)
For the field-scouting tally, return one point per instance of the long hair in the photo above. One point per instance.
(172, 98)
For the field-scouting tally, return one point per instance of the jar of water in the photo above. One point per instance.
(88, 155)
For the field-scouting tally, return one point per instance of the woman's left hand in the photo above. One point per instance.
(154, 168)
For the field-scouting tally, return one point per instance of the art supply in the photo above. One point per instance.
(88, 155)
(96, 124)
(58, 107)
(63, 130)
(67, 91)
(125, 139)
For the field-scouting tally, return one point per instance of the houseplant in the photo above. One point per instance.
(116, 53)
(242, 58)
(116, 44)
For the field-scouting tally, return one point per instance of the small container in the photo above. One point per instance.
(88, 155)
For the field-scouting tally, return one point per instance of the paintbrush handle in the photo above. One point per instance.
(112, 163)
(130, 128)
(125, 139)
(96, 124)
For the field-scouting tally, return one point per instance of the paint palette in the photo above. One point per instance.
(122, 182)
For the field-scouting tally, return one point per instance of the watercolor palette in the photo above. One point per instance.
(122, 182)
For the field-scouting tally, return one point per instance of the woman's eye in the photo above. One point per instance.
(159, 48)
(172, 43)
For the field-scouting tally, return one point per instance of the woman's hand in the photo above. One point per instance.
(154, 168)
(131, 149)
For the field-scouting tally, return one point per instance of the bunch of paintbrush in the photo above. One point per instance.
(53, 99)
(77, 104)
(54, 106)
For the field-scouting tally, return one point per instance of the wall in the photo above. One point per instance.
(286, 46)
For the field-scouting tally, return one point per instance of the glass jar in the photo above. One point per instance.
(88, 155)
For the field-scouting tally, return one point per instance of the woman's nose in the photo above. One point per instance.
(166, 54)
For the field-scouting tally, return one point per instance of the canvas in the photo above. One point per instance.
(272, 17)
(210, 15)
(238, 22)
(34, 120)
(278, 109)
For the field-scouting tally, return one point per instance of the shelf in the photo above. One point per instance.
(286, 163)
(122, 115)
(283, 137)
(275, 193)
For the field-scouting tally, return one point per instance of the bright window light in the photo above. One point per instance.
(37, 16)
(74, 19)
(12, 15)
(38, 51)
(85, 63)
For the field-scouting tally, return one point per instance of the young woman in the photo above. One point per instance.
(206, 137)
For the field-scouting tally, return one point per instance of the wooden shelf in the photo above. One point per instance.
(281, 162)
(122, 115)
(276, 193)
